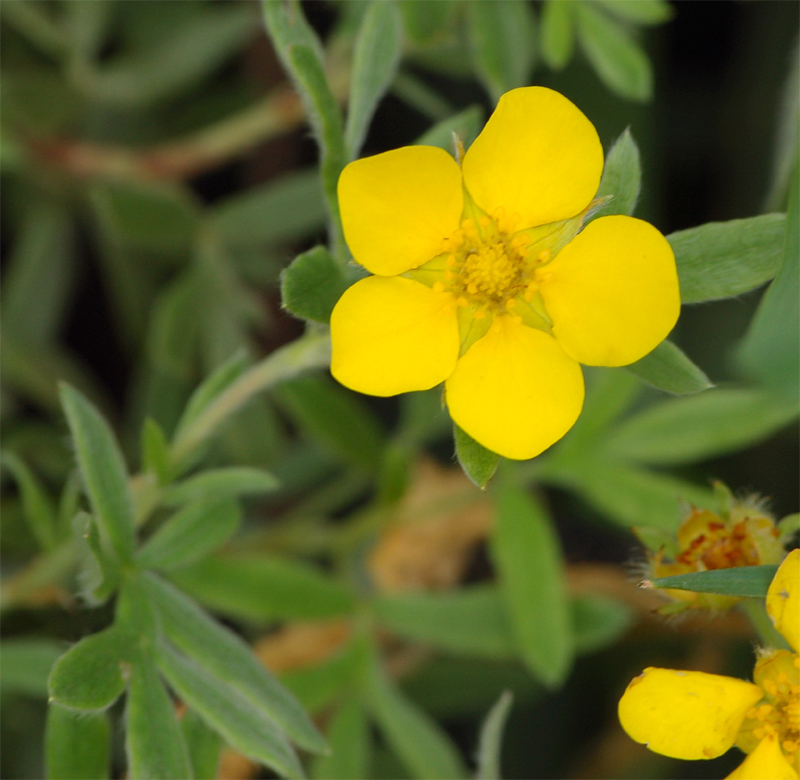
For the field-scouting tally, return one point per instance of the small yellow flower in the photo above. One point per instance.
(484, 280)
(692, 715)
(745, 536)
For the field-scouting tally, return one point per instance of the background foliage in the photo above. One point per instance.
(191, 501)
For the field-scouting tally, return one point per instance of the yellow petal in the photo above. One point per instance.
(766, 762)
(612, 292)
(538, 157)
(398, 207)
(783, 600)
(687, 715)
(515, 390)
(393, 335)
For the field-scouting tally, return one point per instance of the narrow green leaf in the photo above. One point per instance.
(635, 497)
(255, 587)
(230, 658)
(26, 665)
(152, 217)
(619, 61)
(99, 573)
(312, 284)
(423, 98)
(191, 534)
(92, 674)
(299, 50)
(640, 11)
(471, 621)
(466, 125)
(527, 554)
(350, 741)
(378, 47)
(244, 726)
(502, 44)
(622, 177)
(425, 21)
(37, 506)
(40, 275)
(335, 417)
(491, 738)
(77, 744)
(667, 368)
(478, 463)
(155, 451)
(557, 33)
(749, 581)
(771, 349)
(725, 259)
(214, 384)
(103, 470)
(283, 210)
(153, 740)
(415, 737)
(176, 62)
(228, 482)
(686, 430)
(203, 744)
(598, 622)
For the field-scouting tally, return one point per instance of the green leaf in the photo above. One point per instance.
(99, 574)
(152, 217)
(725, 259)
(788, 527)
(413, 735)
(228, 657)
(619, 61)
(176, 62)
(635, 497)
(471, 621)
(300, 53)
(527, 554)
(255, 587)
(312, 284)
(598, 622)
(77, 744)
(749, 581)
(420, 96)
(478, 463)
(502, 44)
(557, 33)
(227, 482)
(283, 210)
(191, 534)
(204, 746)
(244, 726)
(640, 11)
(335, 417)
(155, 451)
(103, 470)
(378, 47)
(38, 283)
(425, 21)
(153, 739)
(771, 349)
(350, 741)
(466, 125)
(686, 430)
(92, 674)
(37, 506)
(491, 738)
(208, 390)
(667, 368)
(26, 665)
(622, 178)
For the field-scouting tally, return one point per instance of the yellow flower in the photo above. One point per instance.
(694, 715)
(484, 280)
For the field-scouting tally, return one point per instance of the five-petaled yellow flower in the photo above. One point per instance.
(694, 715)
(484, 280)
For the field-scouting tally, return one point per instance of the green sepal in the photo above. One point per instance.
(312, 284)
(478, 463)
(746, 581)
(667, 368)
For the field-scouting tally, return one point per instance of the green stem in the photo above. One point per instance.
(767, 633)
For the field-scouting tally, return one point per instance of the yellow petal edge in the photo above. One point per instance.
(783, 599)
(766, 762)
